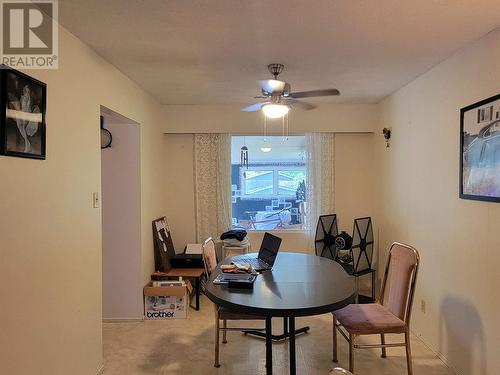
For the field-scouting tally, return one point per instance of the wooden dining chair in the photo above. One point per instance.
(391, 316)
(221, 313)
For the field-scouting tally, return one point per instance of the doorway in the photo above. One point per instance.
(121, 219)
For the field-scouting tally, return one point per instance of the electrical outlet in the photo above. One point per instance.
(95, 199)
(422, 306)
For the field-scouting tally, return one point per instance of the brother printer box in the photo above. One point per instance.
(167, 299)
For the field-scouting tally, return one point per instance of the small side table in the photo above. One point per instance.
(195, 273)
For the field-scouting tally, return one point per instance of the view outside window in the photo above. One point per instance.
(269, 193)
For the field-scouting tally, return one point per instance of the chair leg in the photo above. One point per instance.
(217, 330)
(224, 325)
(334, 336)
(382, 341)
(351, 352)
(408, 354)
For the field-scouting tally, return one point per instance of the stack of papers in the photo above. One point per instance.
(237, 268)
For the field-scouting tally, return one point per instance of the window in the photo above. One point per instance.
(257, 183)
(280, 180)
(289, 180)
(269, 194)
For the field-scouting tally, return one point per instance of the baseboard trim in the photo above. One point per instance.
(100, 370)
(440, 356)
(131, 320)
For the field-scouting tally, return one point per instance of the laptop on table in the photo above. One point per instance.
(267, 254)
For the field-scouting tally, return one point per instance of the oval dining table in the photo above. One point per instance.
(298, 285)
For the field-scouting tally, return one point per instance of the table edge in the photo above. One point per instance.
(261, 311)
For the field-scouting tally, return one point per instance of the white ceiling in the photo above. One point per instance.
(214, 51)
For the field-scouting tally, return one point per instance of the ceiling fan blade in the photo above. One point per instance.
(300, 104)
(272, 86)
(313, 93)
(254, 107)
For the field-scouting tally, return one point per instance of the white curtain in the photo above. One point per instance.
(212, 159)
(320, 180)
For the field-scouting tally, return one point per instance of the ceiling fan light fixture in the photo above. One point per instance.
(276, 85)
(275, 110)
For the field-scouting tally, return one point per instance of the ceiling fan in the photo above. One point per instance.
(279, 98)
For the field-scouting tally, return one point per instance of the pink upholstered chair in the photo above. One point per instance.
(391, 316)
(210, 262)
(209, 256)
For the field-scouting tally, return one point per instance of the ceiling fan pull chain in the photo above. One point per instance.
(283, 127)
(265, 128)
(287, 125)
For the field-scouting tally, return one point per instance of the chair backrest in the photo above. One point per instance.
(402, 265)
(209, 256)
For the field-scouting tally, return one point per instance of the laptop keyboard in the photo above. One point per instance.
(256, 263)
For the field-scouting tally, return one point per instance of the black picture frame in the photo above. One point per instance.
(21, 96)
(485, 117)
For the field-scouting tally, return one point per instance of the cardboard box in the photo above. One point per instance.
(169, 300)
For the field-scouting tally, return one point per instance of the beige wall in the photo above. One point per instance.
(341, 117)
(121, 224)
(180, 188)
(418, 196)
(354, 178)
(353, 188)
(50, 258)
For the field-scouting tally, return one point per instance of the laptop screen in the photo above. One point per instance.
(269, 248)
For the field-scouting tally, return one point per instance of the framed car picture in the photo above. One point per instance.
(22, 114)
(480, 150)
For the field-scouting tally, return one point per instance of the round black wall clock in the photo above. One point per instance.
(106, 137)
